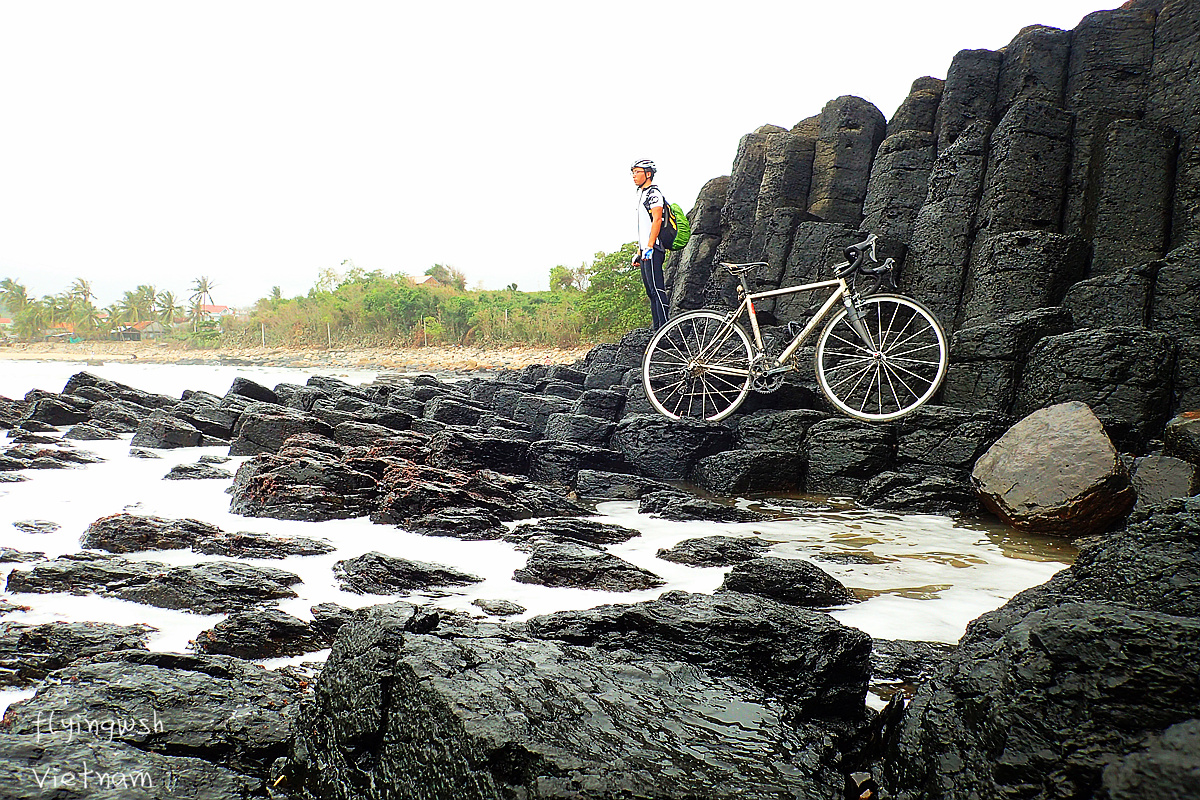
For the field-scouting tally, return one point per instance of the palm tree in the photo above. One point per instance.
(85, 317)
(201, 291)
(167, 308)
(13, 295)
(82, 289)
(129, 308)
(32, 320)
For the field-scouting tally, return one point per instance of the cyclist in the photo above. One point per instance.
(651, 252)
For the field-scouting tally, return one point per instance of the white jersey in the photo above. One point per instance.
(648, 198)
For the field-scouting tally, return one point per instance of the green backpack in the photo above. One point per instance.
(676, 221)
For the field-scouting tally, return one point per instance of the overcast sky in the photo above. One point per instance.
(259, 143)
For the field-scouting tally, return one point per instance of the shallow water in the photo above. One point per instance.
(919, 576)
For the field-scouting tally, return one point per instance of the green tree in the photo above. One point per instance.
(448, 276)
(167, 308)
(615, 300)
(32, 320)
(14, 295)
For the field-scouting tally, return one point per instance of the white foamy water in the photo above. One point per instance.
(925, 577)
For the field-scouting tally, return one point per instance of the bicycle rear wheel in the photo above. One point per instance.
(896, 372)
(697, 366)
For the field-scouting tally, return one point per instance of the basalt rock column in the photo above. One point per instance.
(1175, 101)
(787, 177)
(943, 230)
(899, 183)
(1107, 76)
(1034, 65)
(851, 130)
(1133, 195)
(969, 95)
(688, 273)
(741, 201)
(918, 112)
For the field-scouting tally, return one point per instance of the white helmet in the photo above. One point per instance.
(645, 164)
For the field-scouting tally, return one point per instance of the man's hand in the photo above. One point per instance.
(648, 254)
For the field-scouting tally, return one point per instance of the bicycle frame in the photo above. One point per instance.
(842, 292)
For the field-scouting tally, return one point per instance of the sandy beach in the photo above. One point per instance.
(438, 359)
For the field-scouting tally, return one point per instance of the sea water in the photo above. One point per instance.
(920, 577)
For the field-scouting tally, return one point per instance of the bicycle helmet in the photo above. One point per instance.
(645, 164)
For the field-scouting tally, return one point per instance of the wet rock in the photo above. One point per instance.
(36, 526)
(1167, 767)
(8, 556)
(583, 567)
(615, 485)
(163, 431)
(305, 485)
(805, 657)
(244, 387)
(791, 581)
(261, 634)
(11, 411)
(1182, 437)
(56, 411)
(569, 529)
(534, 411)
(377, 573)
(252, 544)
(678, 505)
(197, 472)
(1055, 472)
(580, 428)
(85, 432)
(28, 653)
(1159, 478)
(138, 452)
(921, 489)
(898, 664)
(1123, 374)
(736, 472)
(117, 415)
(662, 448)
(361, 434)
(263, 428)
(452, 411)
(1093, 676)
(561, 462)
(131, 533)
(1177, 293)
(843, 454)
(177, 708)
(462, 523)
(603, 403)
(409, 491)
(986, 360)
(716, 551)
(947, 437)
(536, 724)
(499, 608)
(208, 588)
(469, 451)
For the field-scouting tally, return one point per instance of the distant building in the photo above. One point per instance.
(213, 312)
(426, 280)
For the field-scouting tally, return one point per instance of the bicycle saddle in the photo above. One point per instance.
(741, 269)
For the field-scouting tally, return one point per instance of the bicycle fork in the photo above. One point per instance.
(854, 317)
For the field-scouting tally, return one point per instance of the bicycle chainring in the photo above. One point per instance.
(760, 381)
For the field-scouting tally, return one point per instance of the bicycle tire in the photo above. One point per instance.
(695, 367)
(901, 370)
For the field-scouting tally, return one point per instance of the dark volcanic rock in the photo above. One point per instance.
(849, 133)
(499, 608)
(1159, 478)
(1182, 437)
(1055, 472)
(207, 588)
(561, 462)
(541, 721)
(197, 472)
(662, 448)
(412, 490)
(8, 556)
(261, 634)
(130, 533)
(1020, 270)
(377, 573)
(249, 389)
(803, 656)
(921, 489)
(469, 451)
(263, 428)
(615, 485)
(86, 432)
(36, 526)
(306, 485)
(737, 472)
(30, 652)
(1123, 374)
(792, 581)
(462, 523)
(969, 94)
(569, 529)
(164, 431)
(225, 711)
(716, 551)
(583, 567)
(679, 505)
(842, 454)
(1121, 297)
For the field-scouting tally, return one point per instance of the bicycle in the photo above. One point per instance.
(879, 357)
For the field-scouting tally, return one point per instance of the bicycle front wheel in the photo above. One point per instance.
(895, 371)
(697, 366)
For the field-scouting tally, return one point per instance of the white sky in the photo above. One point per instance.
(258, 143)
